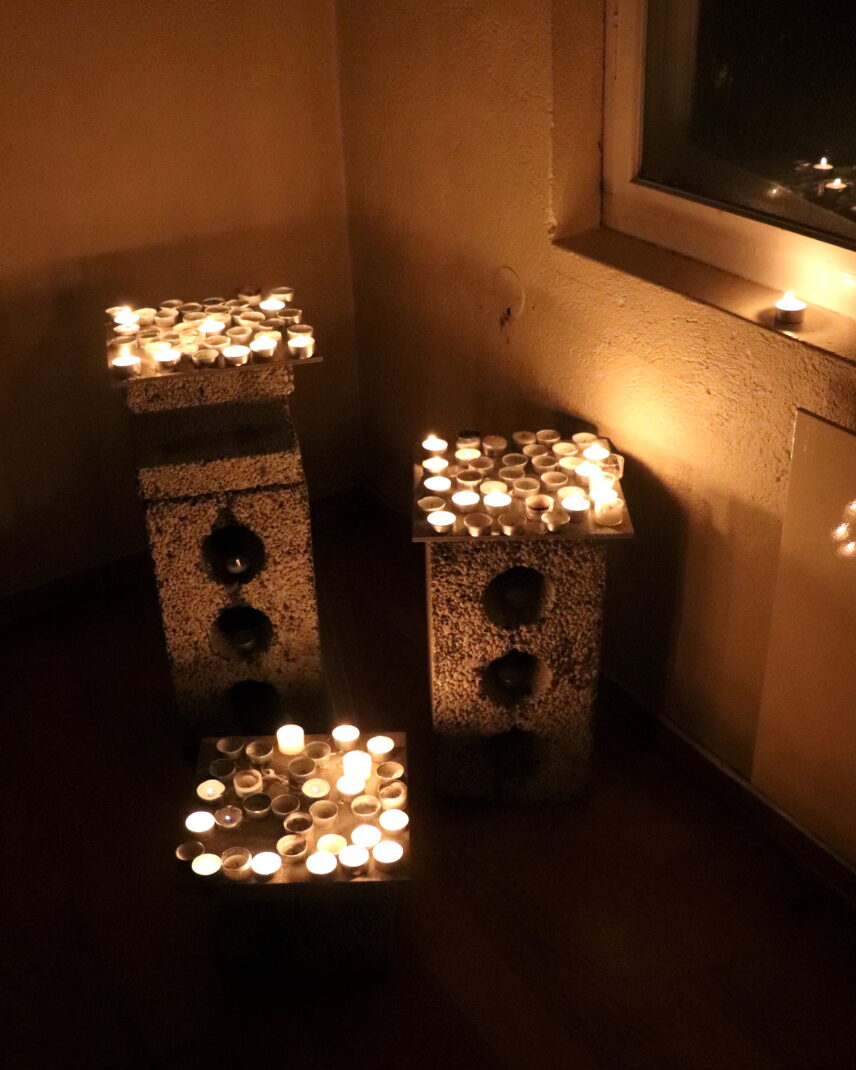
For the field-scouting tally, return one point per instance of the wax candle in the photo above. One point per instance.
(434, 444)
(301, 341)
(290, 739)
(365, 835)
(596, 453)
(357, 763)
(235, 356)
(493, 486)
(349, 787)
(199, 822)
(346, 736)
(166, 359)
(609, 513)
(291, 848)
(442, 521)
(387, 854)
(841, 533)
(380, 747)
(322, 865)
(353, 859)
(211, 790)
(583, 472)
(463, 500)
(126, 315)
(822, 165)
(496, 502)
(228, 817)
(332, 842)
(315, 788)
(846, 549)
(206, 865)
(789, 309)
(266, 865)
(126, 365)
(494, 445)
(271, 306)
(394, 822)
(435, 466)
(577, 507)
(464, 456)
(438, 484)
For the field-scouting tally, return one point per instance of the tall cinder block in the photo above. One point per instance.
(515, 642)
(228, 521)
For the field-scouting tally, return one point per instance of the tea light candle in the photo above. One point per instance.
(206, 865)
(349, 787)
(357, 763)
(291, 848)
(315, 788)
(512, 472)
(846, 549)
(837, 185)
(609, 513)
(523, 488)
(365, 807)
(272, 306)
(478, 524)
(167, 359)
(435, 466)
(433, 504)
(125, 315)
(438, 484)
(463, 500)
(595, 453)
(353, 859)
(577, 507)
(515, 459)
(494, 486)
(235, 356)
(841, 533)
(511, 523)
(469, 479)
(324, 814)
(387, 854)
(582, 439)
(433, 444)
(247, 782)
(524, 438)
(199, 822)
(126, 365)
(322, 865)
(290, 739)
(583, 472)
(570, 491)
(237, 863)
(228, 817)
(789, 309)
(187, 851)
(393, 795)
(380, 747)
(240, 336)
(332, 842)
(564, 449)
(494, 445)
(366, 835)
(822, 165)
(468, 440)
(266, 865)
(482, 464)
(387, 771)
(464, 456)
(263, 347)
(211, 790)
(346, 736)
(537, 505)
(205, 358)
(555, 519)
(210, 325)
(547, 437)
(394, 822)
(442, 521)
(496, 502)
(301, 341)
(535, 449)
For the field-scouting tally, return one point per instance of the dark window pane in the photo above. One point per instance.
(743, 100)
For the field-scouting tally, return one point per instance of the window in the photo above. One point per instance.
(730, 137)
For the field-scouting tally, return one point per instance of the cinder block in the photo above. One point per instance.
(515, 649)
(242, 638)
(255, 382)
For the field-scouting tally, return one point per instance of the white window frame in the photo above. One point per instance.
(820, 272)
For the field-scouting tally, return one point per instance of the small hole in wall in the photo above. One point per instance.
(515, 597)
(513, 678)
(233, 554)
(242, 631)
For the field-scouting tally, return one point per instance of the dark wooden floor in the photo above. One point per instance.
(648, 926)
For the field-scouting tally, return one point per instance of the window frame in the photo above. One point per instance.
(821, 272)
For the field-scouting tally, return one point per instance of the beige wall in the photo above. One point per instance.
(447, 118)
(147, 152)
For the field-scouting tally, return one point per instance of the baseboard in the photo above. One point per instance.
(718, 777)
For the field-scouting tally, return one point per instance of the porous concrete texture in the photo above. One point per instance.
(209, 386)
(535, 749)
(191, 598)
(207, 448)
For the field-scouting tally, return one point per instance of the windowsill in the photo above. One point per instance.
(827, 331)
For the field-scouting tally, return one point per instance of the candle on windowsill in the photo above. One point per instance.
(366, 835)
(349, 787)
(438, 484)
(290, 739)
(272, 306)
(789, 309)
(126, 365)
(596, 453)
(353, 859)
(435, 466)
(263, 347)
(465, 501)
(496, 502)
(609, 513)
(315, 788)
(822, 165)
(577, 507)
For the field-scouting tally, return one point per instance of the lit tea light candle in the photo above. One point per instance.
(272, 306)
(206, 865)
(434, 444)
(380, 747)
(438, 484)
(211, 790)
(266, 865)
(577, 507)
(822, 165)
(357, 764)
(387, 854)
(315, 788)
(228, 817)
(125, 315)
(583, 472)
(841, 533)
(596, 453)
(846, 549)
(366, 835)
(332, 842)
(789, 309)
(494, 445)
(463, 500)
(322, 865)
(394, 822)
(349, 787)
(263, 347)
(493, 486)
(435, 466)
(126, 365)
(570, 491)
(442, 521)
(167, 359)
(210, 325)
(301, 340)
(235, 356)
(126, 330)
(496, 502)
(837, 185)
(290, 739)
(850, 510)
(199, 822)
(464, 456)
(353, 859)
(346, 736)
(609, 513)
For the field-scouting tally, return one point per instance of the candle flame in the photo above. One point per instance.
(824, 162)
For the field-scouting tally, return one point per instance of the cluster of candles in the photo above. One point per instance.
(537, 482)
(844, 534)
(333, 808)
(213, 333)
(823, 182)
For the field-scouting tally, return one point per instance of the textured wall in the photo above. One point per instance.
(447, 118)
(152, 152)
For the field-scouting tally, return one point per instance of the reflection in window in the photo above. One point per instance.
(752, 106)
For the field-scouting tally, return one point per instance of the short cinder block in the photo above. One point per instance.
(216, 387)
(515, 645)
(226, 661)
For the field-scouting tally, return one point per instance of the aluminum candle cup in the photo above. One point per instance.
(260, 751)
(524, 488)
(790, 310)
(380, 747)
(353, 860)
(210, 791)
(478, 524)
(393, 796)
(230, 747)
(435, 466)
(314, 789)
(228, 817)
(388, 771)
(346, 736)
(432, 504)
(205, 358)
(126, 366)
(272, 306)
(511, 472)
(263, 348)
(332, 842)
(200, 822)
(366, 836)
(237, 863)
(290, 316)
(266, 865)
(493, 486)
(577, 507)
(537, 505)
(300, 770)
(435, 445)
(515, 460)
(301, 342)
(469, 479)
(496, 502)
(468, 440)
(555, 519)
(583, 472)
(322, 865)
(166, 360)
(283, 805)
(216, 341)
(547, 437)
(571, 490)
(464, 456)
(485, 465)
(564, 449)
(524, 438)
(250, 295)
(283, 293)
(324, 814)
(553, 481)
(442, 521)
(464, 501)
(223, 769)
(394, 822)
(365, 807)
(235, 356)
(247, 782)
(350, 787)
(297, 823)
(387, 854)
(494, 445)
(535, 449)
(438, 484)
(583, 439)
(318, 751)
(569, 465)
(206, 865)
(239, 336)
(257, 806)
(545, 462)
(291, 848)
(609, 513)
(190, 849)
(511, 523)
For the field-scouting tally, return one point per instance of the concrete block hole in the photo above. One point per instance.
(241, 631)
(514, 678)
(515, 597)
(233, 553)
